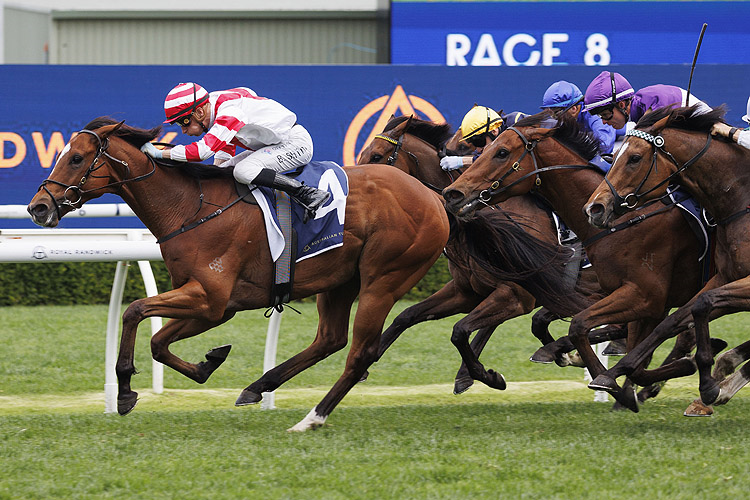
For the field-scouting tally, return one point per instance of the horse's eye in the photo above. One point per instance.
(376, 158)
(76, 159)
(635, 159)
(502, 153)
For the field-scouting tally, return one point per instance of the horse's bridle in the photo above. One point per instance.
(394, 156)
(529, 146)
(624, 203)
(78, 190)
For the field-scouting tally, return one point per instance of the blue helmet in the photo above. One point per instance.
(561, 94)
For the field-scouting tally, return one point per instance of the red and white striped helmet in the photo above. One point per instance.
(183, 100)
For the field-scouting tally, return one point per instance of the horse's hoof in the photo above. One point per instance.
(604, 382)
(627, 398)
(126, 403)
(462, 384)
(542, 355)
(248, 397)
(496, 380)
(709, 392)
(718, 345)
(651, 391)
(618, 407)
(218, 354)
(573, 359)
(698, 409)
(616, 348)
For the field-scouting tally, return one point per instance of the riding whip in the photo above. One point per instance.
(695, 58)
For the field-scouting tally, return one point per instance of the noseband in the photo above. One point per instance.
(624, 203)
(77, 191)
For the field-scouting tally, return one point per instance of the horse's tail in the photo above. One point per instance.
(507, 252)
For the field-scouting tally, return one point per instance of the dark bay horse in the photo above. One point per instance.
(675, 145)
(647, 268)
(394, 231)
(413, 145)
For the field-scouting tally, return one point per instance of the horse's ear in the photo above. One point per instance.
(401, 128)
(660, 124)
(110, 129)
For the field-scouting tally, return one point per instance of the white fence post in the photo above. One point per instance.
(269, 359)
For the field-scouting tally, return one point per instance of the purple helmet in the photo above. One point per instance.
(606, 89)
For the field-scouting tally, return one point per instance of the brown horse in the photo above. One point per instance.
(413, 145)
(675, 145)
(394, 231)
(645, 270)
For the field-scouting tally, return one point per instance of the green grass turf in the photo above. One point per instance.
(401, 434)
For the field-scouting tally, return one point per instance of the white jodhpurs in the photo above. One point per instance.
(292, 153)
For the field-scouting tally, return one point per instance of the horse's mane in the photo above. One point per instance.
(137, 137)
(567, 131)
(132, 135)
(497, 241)
(436, 134)
(684, 118)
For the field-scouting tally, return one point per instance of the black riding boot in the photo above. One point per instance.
(309, 197)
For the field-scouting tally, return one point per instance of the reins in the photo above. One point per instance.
(529, 146)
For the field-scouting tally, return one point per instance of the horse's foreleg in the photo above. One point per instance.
(540, 322)
(334, 308)
(624, 305)
(447, 301)
(728, 362)
(463, 380)
(179, 329)
(555, 350)
(188, 301)
(729, 298)
(505, 302)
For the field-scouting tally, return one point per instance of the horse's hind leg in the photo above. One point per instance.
(334, 308)
(368, 323)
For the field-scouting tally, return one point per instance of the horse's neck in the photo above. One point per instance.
(428, 169)
(720, 181)
(568, 190)
(165, 200)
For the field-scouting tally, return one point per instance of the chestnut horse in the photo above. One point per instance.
(413, 145)
(675, 145)
(648, 268)
(394, 231)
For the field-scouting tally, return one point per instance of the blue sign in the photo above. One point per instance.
(564, 33)
(341, 106)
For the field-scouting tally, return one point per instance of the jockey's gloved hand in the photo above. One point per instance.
(151, 150)
(452, 162)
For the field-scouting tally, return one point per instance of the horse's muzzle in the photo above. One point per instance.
(43, 214)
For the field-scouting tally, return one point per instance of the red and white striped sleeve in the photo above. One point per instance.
(229, 120)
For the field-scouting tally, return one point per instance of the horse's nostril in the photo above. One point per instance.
(596, 208)
(38, 209)
(452, 194)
